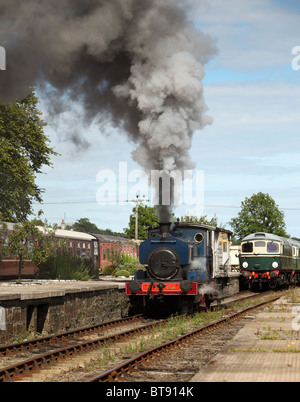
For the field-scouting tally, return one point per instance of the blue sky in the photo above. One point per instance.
(253, 145)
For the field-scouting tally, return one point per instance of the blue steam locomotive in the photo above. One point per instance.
(187, 264)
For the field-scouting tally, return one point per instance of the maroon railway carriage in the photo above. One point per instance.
(82, 245)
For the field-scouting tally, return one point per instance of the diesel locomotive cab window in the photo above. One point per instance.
(259, 244)
(247, 248)
(273, 248)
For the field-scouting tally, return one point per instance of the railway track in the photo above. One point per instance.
(136, 368)
(56, 352)
(48, 351)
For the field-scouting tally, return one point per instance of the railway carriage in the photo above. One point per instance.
(81, 245)
(271, 260)
(9, 264)
(85, 246)
(186, 264)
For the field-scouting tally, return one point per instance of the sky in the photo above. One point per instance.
(253, 144)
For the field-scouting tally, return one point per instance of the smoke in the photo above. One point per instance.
(198, 263)
(137, 64)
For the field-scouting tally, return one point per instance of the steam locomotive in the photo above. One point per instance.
(187, 264)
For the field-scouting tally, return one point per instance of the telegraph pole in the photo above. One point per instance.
(137, 218)
(137, 201)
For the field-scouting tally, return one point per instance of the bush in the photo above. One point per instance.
(67, 267)
(122, 272)
(108, 270)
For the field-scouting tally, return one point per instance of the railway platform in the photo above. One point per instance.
(50, 306)
(41, 289)
(266, 349)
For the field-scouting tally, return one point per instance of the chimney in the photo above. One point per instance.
(164, 229)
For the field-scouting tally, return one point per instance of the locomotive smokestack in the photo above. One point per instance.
(165, 197)
(164, 229)
(165, 192)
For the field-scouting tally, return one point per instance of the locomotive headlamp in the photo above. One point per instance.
(275, 264)
(245, 264)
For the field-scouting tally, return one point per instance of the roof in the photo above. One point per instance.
(272, 237)
(203, 226)
(10, 226)
(111, 239)
(73, 235)
(70, 234)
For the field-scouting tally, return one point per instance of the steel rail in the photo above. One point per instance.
(35, 363)
(133, 363)
(14, 348)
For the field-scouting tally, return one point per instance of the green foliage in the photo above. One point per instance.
(259, 213)
(201, 219)
(121, 262)
(24, 150)
(108, 270)
(27, 242)
(85, 226)
(122, 272)
(66, 267)
(147, 218)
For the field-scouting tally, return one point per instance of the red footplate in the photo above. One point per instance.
(170, 288)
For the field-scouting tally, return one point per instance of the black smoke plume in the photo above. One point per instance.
(135, 63)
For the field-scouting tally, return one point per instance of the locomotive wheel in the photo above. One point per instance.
(273, 283)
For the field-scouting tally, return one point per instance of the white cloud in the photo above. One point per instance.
(251, 34)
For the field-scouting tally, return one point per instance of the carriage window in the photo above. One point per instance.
(78, 250)
(247, 248)
(88, 251)
(71, 248)
(83, 253)
(273, 248)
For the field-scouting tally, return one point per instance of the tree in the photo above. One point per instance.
(84, 225)
(27, 242)
(259, 213)
(202, 220)
(147, 218)
(24, 150)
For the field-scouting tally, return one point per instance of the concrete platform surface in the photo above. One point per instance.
(41, 289)
(266, 349)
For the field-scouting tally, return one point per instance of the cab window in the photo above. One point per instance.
(259, 244)
(273, 247)
(247, 248)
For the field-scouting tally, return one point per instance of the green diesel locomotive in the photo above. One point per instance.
(270, 260)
